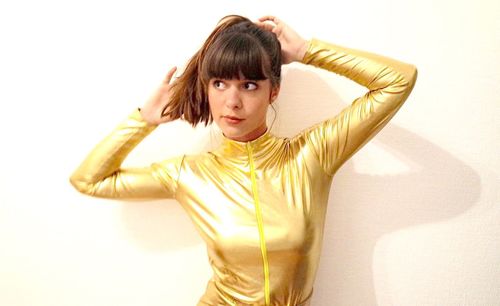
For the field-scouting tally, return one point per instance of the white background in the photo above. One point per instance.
(413, 218)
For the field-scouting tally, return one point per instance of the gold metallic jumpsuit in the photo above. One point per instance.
(260, 205)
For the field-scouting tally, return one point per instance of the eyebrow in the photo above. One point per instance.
(241, 80)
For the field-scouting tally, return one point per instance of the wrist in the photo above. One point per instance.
(145, 118)
(301, 50)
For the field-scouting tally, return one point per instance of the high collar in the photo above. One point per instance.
(256, 147)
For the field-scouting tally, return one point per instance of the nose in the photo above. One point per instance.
(233, 98)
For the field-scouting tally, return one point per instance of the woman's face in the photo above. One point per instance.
(239, 106)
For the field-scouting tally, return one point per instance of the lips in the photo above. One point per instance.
(232, 119)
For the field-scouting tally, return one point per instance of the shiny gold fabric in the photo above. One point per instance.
(259, 206)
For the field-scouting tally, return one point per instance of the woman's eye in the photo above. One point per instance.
(218, 84)
(250, 86)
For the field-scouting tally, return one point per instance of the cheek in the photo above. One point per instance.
(260, 109)
(213, 103)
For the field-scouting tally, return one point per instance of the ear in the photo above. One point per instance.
(274, 93)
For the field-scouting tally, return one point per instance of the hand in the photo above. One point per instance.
(151, 112)
(293, 46)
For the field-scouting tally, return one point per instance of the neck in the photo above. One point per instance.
(250, 136)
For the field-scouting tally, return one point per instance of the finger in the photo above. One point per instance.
(269, 18)
(265, 26)
(275, 20)
(169, 76)
(278, 24)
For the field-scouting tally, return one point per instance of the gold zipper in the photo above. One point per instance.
(260, 224)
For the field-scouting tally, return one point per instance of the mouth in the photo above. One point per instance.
(232, 119)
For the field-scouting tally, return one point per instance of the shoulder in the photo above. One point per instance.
(195, 160)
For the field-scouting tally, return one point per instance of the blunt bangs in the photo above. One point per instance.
(234, 56)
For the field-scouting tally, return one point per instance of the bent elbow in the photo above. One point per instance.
(80, 185)
(413, 75)
(408, 79)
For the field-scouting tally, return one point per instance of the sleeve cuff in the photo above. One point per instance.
(312, 42)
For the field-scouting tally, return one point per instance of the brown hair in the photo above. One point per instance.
(236, 47)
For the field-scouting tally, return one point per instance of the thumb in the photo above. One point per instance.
(169, 75)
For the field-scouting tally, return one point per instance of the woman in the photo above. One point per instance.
(259, 201)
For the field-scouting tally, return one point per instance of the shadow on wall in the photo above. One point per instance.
(362, 207)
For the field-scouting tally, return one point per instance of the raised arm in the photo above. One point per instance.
(101, 175)
(389, 82)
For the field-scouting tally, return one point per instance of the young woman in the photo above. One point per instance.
(259, 201)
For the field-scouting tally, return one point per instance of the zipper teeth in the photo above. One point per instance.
(260, 223)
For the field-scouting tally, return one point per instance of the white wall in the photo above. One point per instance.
(413, 218)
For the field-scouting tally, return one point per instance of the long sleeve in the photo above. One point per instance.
(100, 174)
(389, 82)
